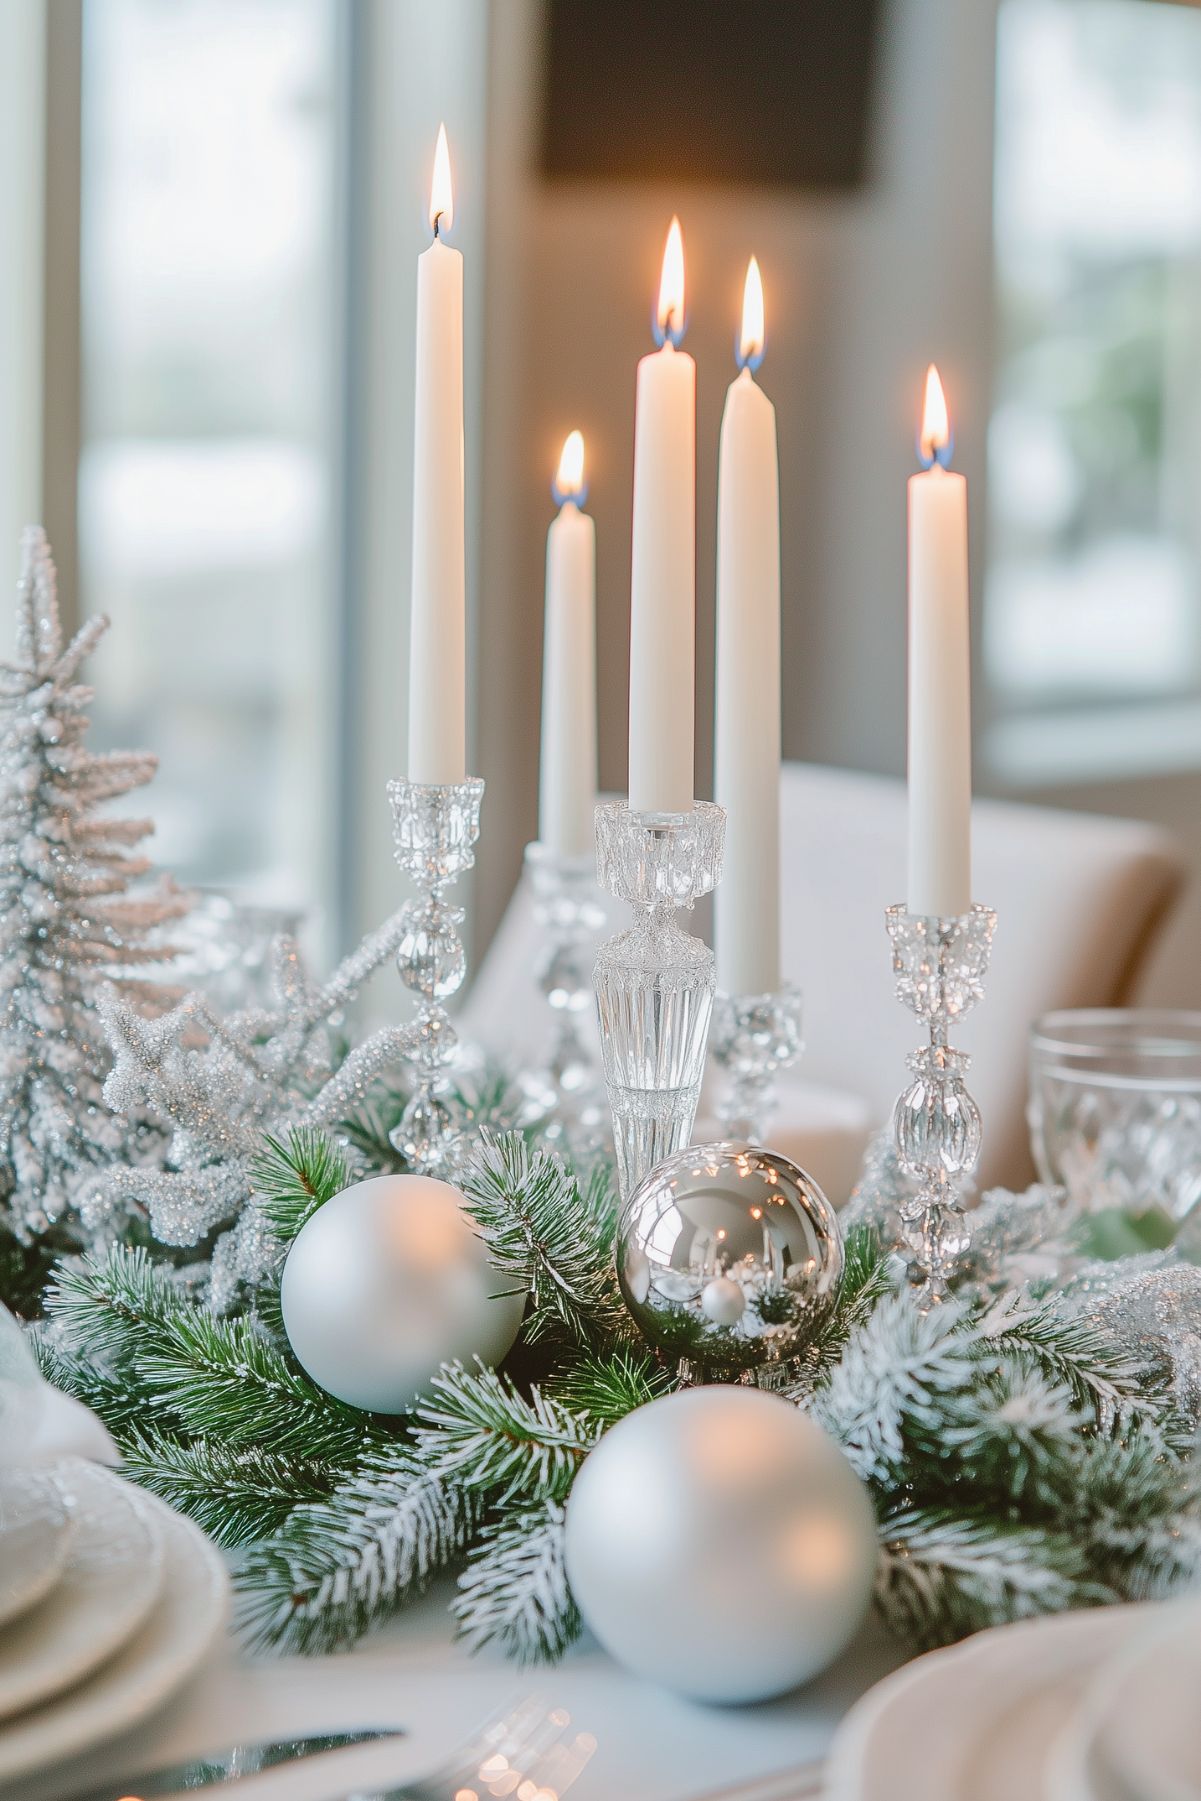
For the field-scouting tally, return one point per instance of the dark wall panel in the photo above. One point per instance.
(763, 91)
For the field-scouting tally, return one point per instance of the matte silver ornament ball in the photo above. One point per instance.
(729, 1256)
(388, 1281)
(718, 1542)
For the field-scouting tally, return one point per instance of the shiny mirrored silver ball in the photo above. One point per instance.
(730, 1256)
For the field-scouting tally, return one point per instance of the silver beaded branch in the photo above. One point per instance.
(219, 1084)
(70, 927)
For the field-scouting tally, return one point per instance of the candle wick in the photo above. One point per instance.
(935, 456)
(437, 221)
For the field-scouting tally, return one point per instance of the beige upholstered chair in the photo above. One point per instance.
(1080, 899)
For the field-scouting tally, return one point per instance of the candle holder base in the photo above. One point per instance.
(654, 982)
(754, 1037)
(435, 827)
(565, 1090)
(940, 965)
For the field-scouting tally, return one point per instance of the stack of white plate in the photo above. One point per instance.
(108, 1602)
(1096, 1706)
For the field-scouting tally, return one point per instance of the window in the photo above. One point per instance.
(1094, 589)
(208, 468)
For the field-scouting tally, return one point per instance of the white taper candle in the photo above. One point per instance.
(747, 771)
(437, 634)
(663, 566)
(940, 730)
(567, 787)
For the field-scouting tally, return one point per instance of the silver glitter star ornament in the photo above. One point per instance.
(217, 1085)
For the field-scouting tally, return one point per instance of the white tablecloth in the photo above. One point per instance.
(650, 1746)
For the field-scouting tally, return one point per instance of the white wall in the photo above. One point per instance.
(22, 129)
(862, 291)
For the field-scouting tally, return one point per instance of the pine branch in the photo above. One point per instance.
(478, 1429)
(338, 1565)
(864, 1284)
(1102, 1374)
(604, 1388)
(492, 1103)
(111, 1309)
(1136, 1505)
(207, 1374)
(1014, 1434)
(222, 1376)
(550, 1234)
(942, 1575)
(235, 1495)
(292, 1179)
(121, 1404)
(514, 1591)
(894, 1376)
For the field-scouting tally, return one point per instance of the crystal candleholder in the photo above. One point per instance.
(566, 1087)
(654, 981)
(940, 965)
(435, 826)
(753, 1037)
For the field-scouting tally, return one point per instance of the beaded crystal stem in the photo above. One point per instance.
(753, 1037)
(435, 826)
(940, 965)
(569, 914)
(654, 982)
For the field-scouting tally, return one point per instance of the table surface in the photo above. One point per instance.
(412, 1676)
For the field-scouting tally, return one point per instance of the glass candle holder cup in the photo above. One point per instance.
(654, 981)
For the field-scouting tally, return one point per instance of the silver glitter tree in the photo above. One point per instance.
(69, 926)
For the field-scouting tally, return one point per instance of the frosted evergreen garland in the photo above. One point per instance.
(69, 926)
(1026, 1450)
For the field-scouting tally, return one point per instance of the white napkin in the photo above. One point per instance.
(66, 1428)
(38, 1423)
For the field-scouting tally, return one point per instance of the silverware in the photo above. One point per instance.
(228, 1766)
(532, 1747)
(534, 1751)
(530, 1744)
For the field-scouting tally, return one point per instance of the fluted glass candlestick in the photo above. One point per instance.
(940, 966)
(753, 1037)
(655, 982)
(435, 826)
(569, 912)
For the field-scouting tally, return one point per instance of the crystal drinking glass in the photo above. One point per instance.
(1115, 1107)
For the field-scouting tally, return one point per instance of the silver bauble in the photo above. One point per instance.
(386, 1282)
(729, 1256)
(718, 1542)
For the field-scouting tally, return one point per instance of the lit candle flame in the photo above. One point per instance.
(750, 342)
(669, 316)
(569, 481)
(442, 198)
(934, 441)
